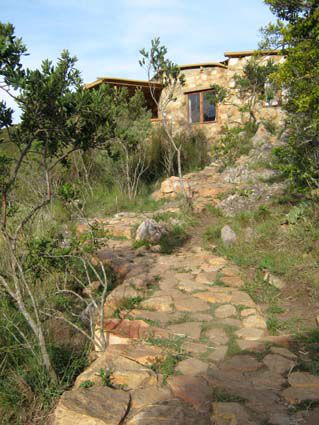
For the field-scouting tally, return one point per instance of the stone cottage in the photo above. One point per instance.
(193, 106)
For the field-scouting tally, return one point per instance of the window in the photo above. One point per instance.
(201, 107)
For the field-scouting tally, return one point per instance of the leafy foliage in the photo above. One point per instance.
(252, 84)
(233, 143)
(296, 32)
(162, 68)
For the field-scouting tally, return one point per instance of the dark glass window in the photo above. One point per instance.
(209, 109)
(201, 107)
(194, 107)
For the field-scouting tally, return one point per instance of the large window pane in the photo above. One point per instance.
(194, 107)
(209, 107)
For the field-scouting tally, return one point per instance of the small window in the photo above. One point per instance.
(194, 107)
(209, 108)
(201, 107)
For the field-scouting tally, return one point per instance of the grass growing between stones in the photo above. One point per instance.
(185, 317)
(267, 241)
(127, 304)
(233, 347)
(222, 396)
(167, 366)
(281, 239)
(173, 343)
(175, 238)
(308, 343)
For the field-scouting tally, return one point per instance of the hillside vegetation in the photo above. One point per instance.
(78, 154)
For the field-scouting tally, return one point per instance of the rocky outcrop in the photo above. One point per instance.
(241, 187)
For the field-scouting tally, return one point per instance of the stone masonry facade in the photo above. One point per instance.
(200, 78)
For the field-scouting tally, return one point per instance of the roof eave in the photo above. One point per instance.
(253, 53)
(124, 82)
(203, 65)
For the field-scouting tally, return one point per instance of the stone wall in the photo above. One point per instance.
(201, 78)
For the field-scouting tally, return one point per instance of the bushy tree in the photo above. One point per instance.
(252, 84)
(297, 33)
(58, 116)
(161, 69)
(131, 139)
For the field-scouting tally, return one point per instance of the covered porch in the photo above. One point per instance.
(151, 90)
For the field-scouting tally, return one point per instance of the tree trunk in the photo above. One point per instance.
(4, 209)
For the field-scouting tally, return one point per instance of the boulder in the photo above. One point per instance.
(261, 135)
(149, 231)
(228, 236)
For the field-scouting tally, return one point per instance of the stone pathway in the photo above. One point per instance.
(187, 345)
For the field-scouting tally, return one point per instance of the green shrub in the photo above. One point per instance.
(162, 157)
(173, 239)
(233, 143)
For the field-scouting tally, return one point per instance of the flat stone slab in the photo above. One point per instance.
(218, 354)
(217, 336)
(215, 297)
(277, 363)
(217, 263)
(283, 352)
(242, 298)
(171, 412)
(231, 271)
(163, 303)
(202, 317)
(206, 277)
(191, 329)
(143, 397)
(255, 321)
(156, 316)
(95, 405)
(192, 367)
(191, 286)
(254, 346)
(230, 321)
(303, 380)
(268, 379)
(143, 354)
(184, 277)
(233, 281)
(206, 267)
(295, 395)
(194, 347)
(241, 363)
(248, 312)
(133, 329)
(231, 414)
(190, 304)
(225, 311)
(192, 390)
(132, 379)
(250, 334)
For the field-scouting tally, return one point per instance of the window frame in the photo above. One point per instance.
(201, 107)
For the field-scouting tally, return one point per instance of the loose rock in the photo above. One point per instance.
(149, 231)
(228, 236)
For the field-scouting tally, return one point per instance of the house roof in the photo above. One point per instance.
(124, 82)
(146, 84)
(203, 65)
(251, 53)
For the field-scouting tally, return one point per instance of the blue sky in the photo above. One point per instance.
(107, 35)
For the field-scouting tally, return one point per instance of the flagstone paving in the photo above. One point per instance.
(193, 349)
